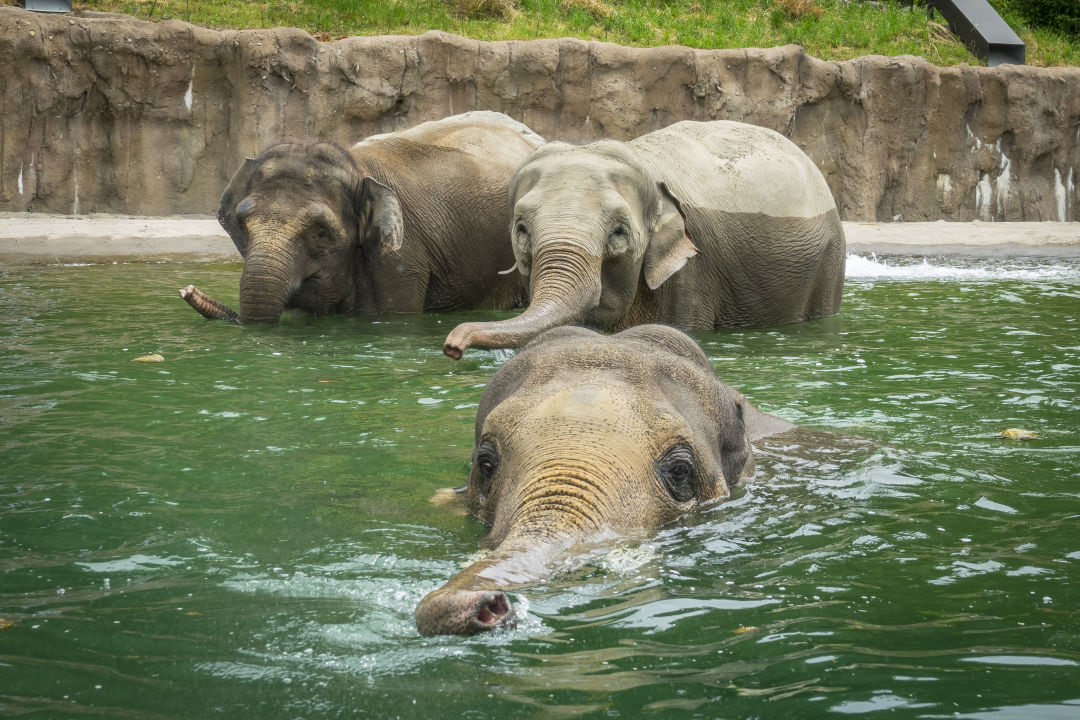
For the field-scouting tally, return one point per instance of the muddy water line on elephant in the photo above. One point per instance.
(245, 528)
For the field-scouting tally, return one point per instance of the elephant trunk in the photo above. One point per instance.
(554, 505)
(565, 286)
(474, 601)
(268, 280)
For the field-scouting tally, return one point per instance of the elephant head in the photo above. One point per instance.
(580, 435)
(305, 220)
(589, 224)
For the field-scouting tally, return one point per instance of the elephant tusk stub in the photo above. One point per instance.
(207, 306)
(509, 270)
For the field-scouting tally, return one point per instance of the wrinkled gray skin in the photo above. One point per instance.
(581, 434)
(403, 222)
(699, 225)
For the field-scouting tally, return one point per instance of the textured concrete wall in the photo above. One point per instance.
(102, 113)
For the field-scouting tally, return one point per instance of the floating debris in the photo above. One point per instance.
(745, 629)
(154, 357)
(5, 623)
(1017, 434)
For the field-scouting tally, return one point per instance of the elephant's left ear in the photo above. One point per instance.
(379, 215)
(670, 245)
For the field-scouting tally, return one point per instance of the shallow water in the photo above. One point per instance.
(245, 529)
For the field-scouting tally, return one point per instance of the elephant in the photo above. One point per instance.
(402, 222)
(581, 434)
(700, 225)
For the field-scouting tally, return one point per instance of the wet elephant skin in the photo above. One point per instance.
(410, 221)
(581, 435)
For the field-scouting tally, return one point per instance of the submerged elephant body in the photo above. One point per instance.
(580, 434)
(403, 222)
(699, 225)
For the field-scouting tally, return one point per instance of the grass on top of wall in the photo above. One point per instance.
(827, 29)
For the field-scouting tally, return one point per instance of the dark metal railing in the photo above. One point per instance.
(982, 30)
(47, 5)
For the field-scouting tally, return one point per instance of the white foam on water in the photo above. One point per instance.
(924, 269)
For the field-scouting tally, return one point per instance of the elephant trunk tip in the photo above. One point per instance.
(463, 612)
(458, 341)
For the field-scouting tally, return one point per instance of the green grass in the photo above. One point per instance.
(843, 30)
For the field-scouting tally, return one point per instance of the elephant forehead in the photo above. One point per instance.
(576, 168)
(607, 408)
(296, 172)
(279, 211)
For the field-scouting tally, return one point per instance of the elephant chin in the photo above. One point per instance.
(463, 612)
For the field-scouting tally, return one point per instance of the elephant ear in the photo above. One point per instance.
(237, 188)
(379, 214)
(736, 454)
(670, 245)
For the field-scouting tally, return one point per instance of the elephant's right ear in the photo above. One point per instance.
(236, 189)
(379, 215)
(736, 453)
(670, 245)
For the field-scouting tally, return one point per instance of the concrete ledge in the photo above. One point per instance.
(973, 239)
(35, 238)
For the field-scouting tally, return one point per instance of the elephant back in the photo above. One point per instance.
(734, 167)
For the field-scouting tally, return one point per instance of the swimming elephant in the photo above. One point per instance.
(581, 434)
(700, 225)
(403, 222)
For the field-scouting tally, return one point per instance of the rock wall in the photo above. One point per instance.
(103, 113)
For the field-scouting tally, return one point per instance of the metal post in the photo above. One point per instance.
(983, 31)
(58, 6)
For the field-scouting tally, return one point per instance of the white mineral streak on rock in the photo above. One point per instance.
(1004, 182)
(1070, 194)
(189, 95)
(983, 198)
(973, 138)
(1063, 192)
(20, 178)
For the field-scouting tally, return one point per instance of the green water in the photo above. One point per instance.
(245, 529)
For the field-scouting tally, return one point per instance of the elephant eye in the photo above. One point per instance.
(619, 242)
(676, 470)
(322, 237)
(485, 465)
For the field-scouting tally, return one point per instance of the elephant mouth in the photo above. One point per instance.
(316, 294)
